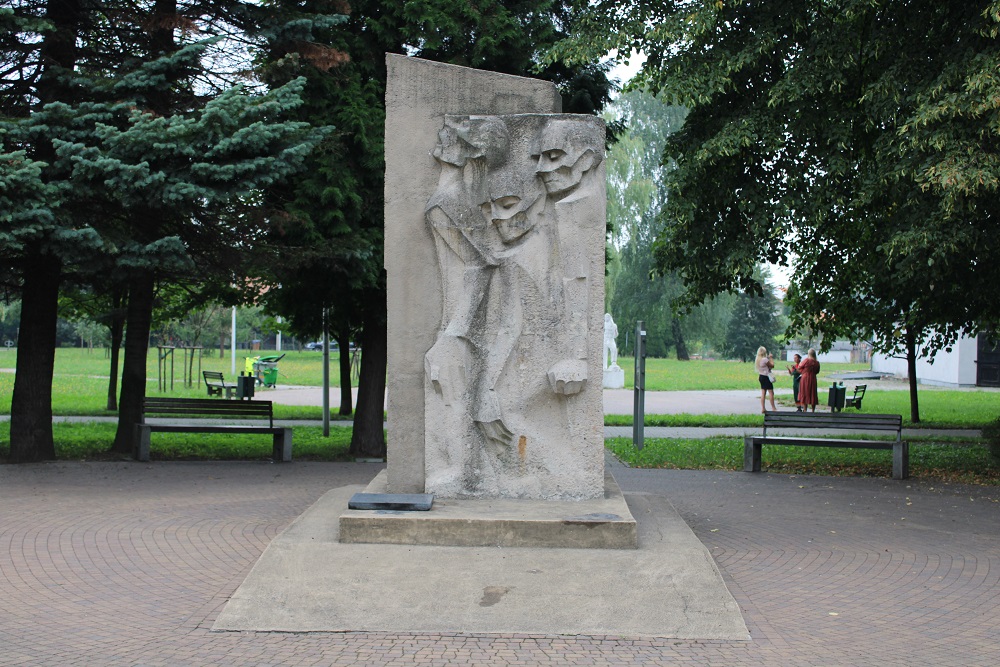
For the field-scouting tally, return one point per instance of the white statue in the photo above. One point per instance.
(610, 346)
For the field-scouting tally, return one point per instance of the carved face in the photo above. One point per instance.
(565, 154)
(509, 207)
(464, 138)
(450, 148)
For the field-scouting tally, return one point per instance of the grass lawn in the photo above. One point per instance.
(939, 408)
(90, 441)
(80, 380)
(949, 461)
(673, 375)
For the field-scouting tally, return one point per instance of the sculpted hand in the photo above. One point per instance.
(568, 377)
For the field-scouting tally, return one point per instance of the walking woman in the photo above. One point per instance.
(809, 368)
(764, 365)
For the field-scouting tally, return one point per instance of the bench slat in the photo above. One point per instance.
(207, 410)
(825, 442)
(212, 428)
(206, 406)
(838, 421)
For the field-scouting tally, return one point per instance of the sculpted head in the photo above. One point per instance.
(512, 194)
(464, 138)
(567, 150)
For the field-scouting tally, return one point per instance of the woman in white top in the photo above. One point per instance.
(764, 363)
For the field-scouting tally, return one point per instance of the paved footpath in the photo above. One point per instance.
(129, 564)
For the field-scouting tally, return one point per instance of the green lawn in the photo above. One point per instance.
(91, 441)
(673, 375)
(950, 461)
(80, 381)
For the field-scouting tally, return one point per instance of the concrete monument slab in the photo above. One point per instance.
(419, 94)
(495, 225)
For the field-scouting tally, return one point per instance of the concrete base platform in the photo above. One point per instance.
(604, 523)
(308, 581)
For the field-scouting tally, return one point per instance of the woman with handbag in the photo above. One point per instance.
(764, 364)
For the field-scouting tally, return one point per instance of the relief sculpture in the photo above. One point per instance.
(513, 349)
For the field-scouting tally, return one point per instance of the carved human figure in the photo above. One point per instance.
(506, 223)
(459, 364)
(610, 356)
(568, 151)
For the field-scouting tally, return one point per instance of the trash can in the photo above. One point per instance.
(838, 393)
(266, 369)
(244, 386)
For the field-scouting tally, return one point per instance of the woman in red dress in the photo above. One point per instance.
(809, 367)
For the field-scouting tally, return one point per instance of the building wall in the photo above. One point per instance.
(832, 357)
(956, 368)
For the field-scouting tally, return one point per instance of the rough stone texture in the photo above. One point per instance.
(614, 377)
(512, 404)
(418, 95)
(309, 579)
(528, 459)
(601, 523)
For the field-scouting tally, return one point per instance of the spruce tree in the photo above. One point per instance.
(144, 162)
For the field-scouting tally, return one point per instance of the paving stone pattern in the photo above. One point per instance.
(129, 564)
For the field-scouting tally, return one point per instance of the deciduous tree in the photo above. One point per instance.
(855, 140)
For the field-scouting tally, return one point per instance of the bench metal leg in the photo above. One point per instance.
(751, 455)
(140, 450)
(901, 460)
(282, 446)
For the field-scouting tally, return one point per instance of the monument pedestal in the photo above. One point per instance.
(614, 377)
(603, 523)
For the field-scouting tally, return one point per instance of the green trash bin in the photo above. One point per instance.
(837, 396)
(266, 370)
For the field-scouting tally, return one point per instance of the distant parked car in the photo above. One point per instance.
(318, 345)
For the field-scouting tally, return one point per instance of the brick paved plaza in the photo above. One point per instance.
(129, 564)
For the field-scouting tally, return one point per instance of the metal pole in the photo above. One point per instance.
(277, 346)
(326, 376)
(639, 386)
(232, 343)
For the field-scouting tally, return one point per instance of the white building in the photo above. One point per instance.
(971, 362)
(841, 352)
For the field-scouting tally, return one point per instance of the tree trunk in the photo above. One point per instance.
(117, 327)
(911, 372)
(679, 344)
(31, 401)
(138, 321)
(368, 438)
(344, 343)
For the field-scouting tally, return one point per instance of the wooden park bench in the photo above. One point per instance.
(839, 421)
(216, 384)
(205, 407)
(855, 401)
